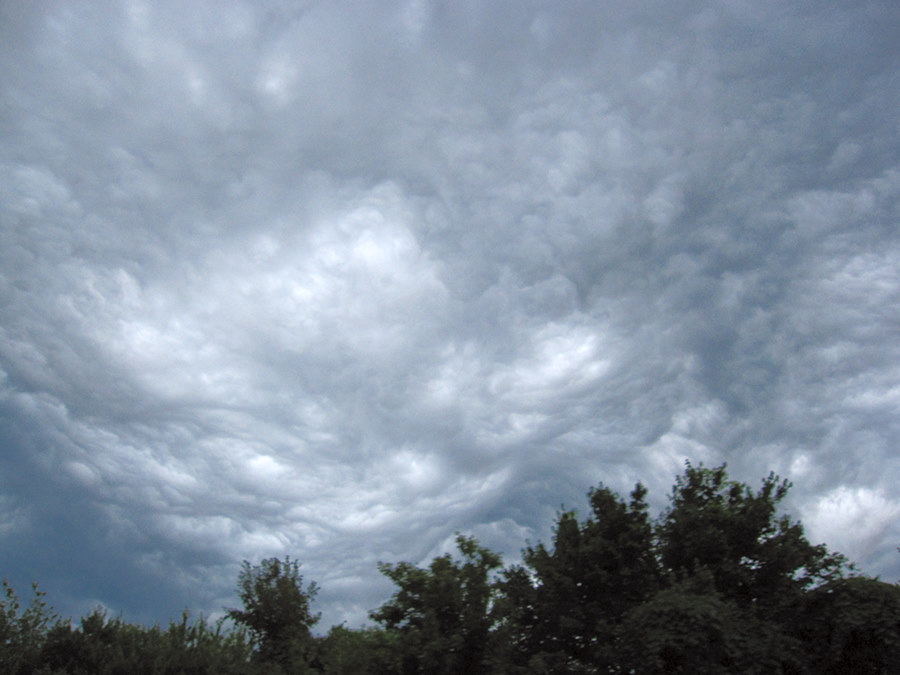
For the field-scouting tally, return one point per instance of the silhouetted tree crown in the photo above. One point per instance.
(277, 613)
(442, 613)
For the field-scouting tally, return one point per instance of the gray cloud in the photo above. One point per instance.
(336, 281)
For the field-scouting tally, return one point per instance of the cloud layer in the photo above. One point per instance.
(335, 280)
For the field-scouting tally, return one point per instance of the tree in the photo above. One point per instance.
(756, 558)
(277, 613)
(442, 614)
(689, 628)
(23, 631)
(851, 626)
(562, 610)
(712, 585)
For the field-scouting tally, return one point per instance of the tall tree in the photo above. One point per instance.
(757, 558)
(563, 608)
(277, 613)
(442, 613)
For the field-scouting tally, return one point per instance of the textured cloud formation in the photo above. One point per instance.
(335, 280)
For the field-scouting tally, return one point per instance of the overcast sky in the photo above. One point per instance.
(335, 280)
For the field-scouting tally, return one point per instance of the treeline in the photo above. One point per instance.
(718, 583)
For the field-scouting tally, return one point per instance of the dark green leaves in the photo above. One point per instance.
(723, 527)
(712, 585)
(442, 613)
(277, 612)
(22, 630)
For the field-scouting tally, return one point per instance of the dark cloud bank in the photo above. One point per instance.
(335, 280)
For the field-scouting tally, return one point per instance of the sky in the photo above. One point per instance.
(336, 280)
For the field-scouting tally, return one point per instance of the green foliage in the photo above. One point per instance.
(277, 613)
(755, 557)
(22, 631)
(851, 626)
(368, 651)
(102, 646)
(710, 586)
(689, 628)
(35, 640)
(442, 614)
(594, 572)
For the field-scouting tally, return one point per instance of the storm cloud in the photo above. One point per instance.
(336, 280)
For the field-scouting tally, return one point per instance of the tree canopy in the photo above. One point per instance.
(442, 613)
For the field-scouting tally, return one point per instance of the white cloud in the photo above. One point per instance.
(854, 521)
